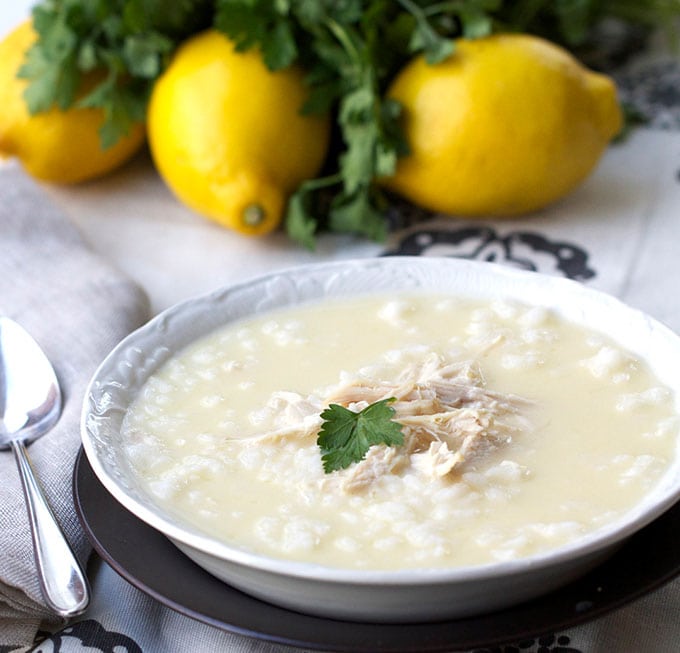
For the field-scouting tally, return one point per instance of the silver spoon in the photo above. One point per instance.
(30, 405)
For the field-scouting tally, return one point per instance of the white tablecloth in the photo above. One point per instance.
(619, 232)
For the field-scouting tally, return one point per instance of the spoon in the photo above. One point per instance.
(30, 405)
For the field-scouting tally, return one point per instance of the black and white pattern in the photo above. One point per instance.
(521, 249)
(545, 644)
(88, 635)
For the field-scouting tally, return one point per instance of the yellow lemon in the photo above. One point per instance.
(227, 135)
(55, 146)
(505, 126)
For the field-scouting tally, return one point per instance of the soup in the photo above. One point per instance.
(520, 432)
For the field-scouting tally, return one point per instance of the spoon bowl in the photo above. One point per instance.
(30, 405)
(31, 397)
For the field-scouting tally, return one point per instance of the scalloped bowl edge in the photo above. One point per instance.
(384, 596)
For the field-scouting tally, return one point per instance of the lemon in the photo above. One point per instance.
(507, 125)
(54, 146)
(227, 135)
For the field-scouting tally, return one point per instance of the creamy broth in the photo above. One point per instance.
(577, 430)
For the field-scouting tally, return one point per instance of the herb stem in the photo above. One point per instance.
(321, 182)
(343, 36)
(417, 12)
(455, 6)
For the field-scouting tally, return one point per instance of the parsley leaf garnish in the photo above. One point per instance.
(346, 436)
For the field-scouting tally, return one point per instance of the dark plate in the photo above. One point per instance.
(147, 560)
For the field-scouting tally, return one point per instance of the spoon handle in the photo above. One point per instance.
(62, 580)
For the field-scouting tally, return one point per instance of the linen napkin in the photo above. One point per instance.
(77, 307)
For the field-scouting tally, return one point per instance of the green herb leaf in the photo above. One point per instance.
(280, 50)
(346, 436)
(127, 41)
(476, 23)
(52, 62)
(144, 54)
(54, 83)
(434, 47)
(361, 133)
(259, 23)
(358, 213)
(300, 224)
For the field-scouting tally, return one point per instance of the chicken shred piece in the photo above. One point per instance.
(379, 460)
(449, 419)
(438, 460)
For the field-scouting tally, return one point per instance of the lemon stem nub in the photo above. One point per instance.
(253, 215)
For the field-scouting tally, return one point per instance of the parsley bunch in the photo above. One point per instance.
(128, 43)
(351, 49)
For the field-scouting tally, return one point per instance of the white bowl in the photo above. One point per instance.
(380, 596)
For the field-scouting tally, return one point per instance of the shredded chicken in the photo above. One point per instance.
(379, 460)
(449, 418)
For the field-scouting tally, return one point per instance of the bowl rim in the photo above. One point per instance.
(606, 536)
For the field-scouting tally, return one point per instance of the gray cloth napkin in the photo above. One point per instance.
(78, 308)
